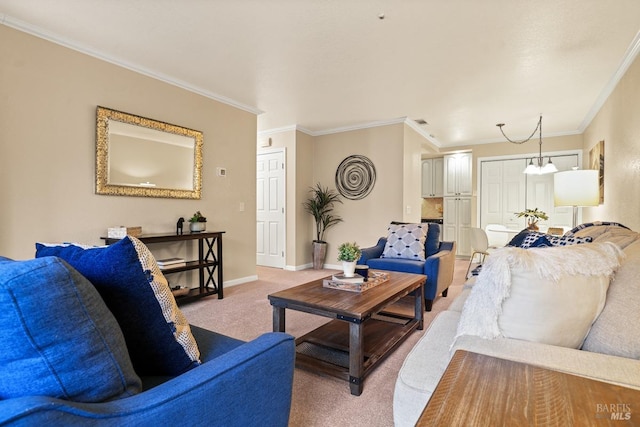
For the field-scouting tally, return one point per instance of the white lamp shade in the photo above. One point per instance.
(576, 188)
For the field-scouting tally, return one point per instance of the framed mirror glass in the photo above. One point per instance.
(137, 156)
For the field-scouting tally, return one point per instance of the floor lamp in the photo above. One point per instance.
(576, 188)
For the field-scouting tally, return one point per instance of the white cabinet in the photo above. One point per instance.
(432, 177)
(457, 223)
(457, 174)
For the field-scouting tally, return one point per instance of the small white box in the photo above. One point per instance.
(116, 232)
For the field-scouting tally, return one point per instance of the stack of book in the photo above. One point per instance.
(167, 263)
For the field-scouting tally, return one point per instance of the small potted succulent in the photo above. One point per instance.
(532, 216)
(197, 223)
(349, 253)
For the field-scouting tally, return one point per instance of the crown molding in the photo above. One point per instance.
(54, 38)
(629, 56)
(360, 126)
(290, 128)
(497, 139)
(413, 125)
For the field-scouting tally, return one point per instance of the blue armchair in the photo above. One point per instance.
(438, 267)
(238, 384)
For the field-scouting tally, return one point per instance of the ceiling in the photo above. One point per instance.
(332, 65)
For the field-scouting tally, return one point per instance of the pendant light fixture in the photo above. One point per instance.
(536, 165)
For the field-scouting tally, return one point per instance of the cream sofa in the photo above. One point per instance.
(610, 352)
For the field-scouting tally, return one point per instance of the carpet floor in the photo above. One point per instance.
(318, 400)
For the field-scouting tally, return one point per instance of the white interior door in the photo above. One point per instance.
(270, 215)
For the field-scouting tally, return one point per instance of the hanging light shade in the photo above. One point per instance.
(536, 164)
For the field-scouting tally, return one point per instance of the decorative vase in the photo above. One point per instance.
(349, 268)
(533, 226)
(197, 227)
(319, 252)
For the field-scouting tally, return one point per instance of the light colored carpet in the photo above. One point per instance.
(245, 313)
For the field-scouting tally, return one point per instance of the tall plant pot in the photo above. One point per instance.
(319, 254)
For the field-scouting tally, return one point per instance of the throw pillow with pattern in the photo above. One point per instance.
(534, 239)
(406, 241)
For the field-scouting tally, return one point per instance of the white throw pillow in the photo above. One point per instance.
(406, 241)
(549, 295)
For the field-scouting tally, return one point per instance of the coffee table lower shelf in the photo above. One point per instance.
(326, 349)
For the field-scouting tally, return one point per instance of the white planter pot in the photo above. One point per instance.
(349, 268)
(197, 227)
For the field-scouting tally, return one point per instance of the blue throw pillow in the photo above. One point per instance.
(432, 244)
(518, 238)
(535, 239)
(137, 293)
(58, 337)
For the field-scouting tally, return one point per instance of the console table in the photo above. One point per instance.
(209, 260)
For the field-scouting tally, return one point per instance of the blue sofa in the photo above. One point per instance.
(438, 265)
(67, 353)
(238, 384)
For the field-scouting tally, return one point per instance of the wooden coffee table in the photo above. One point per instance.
(367, 326)
(480, 390)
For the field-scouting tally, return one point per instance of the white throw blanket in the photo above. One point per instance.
(484, 305)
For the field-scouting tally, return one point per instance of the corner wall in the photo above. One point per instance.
(618, 124)
(48, 99)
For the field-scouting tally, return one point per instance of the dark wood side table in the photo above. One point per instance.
(363, 331)
(209, 260)
(480, 390)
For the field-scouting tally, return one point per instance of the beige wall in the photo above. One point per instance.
(305, 226)
(395, 151)
(299, 178)
(48, 99)
(412, 180)
(48, 96)
(618, 124)
(367, 219)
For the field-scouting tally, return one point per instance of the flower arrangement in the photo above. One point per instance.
(533, 216)
(349, 252)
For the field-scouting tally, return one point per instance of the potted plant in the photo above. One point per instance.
(320, 205)
(349, 253)
(197, 223)
(532, 216)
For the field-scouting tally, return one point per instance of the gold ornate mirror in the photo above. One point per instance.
(136, 156)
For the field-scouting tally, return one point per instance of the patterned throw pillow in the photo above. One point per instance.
(406, 241)
(129, 280)
(534, 239)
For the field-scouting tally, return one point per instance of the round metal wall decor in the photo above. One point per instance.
(355, 177)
